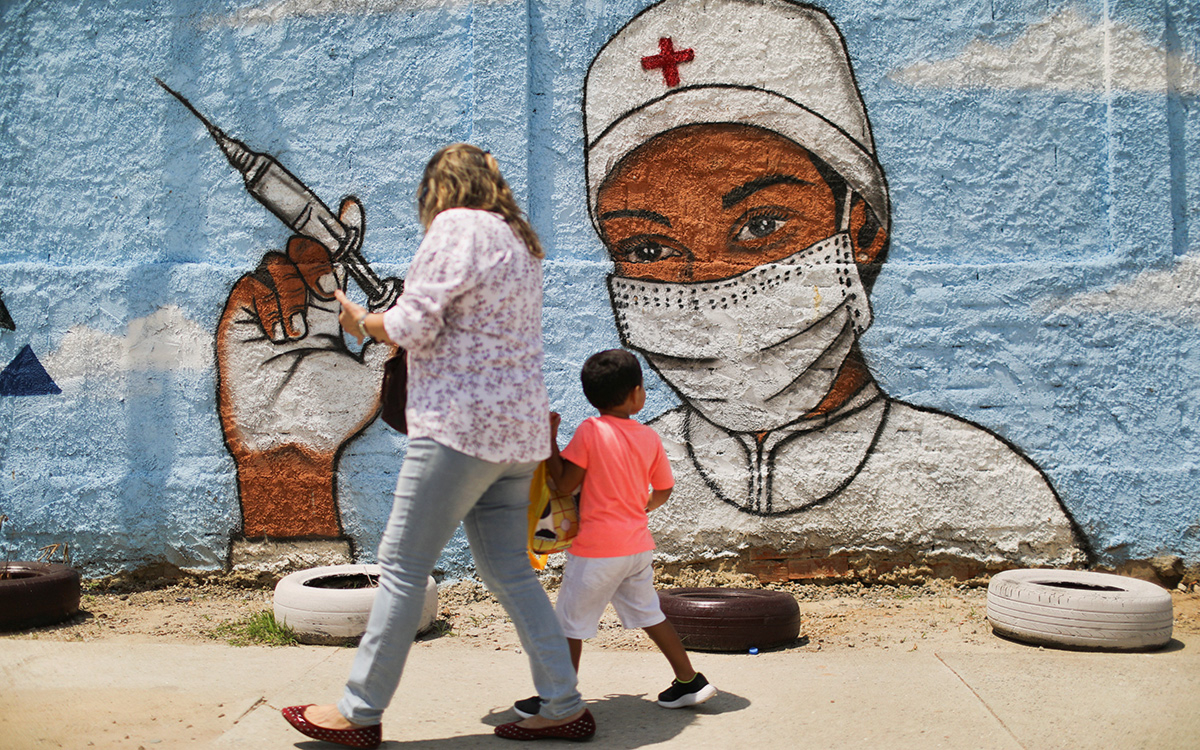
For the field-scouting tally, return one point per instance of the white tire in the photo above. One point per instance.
(1079, 609)
(319, 613)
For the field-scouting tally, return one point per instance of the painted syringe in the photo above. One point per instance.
(301, 210)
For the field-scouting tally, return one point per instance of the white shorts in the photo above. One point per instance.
(590, 583)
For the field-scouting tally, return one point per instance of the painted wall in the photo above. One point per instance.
(1025, 389)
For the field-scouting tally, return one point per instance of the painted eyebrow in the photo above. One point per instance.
(631, 213)
(742, 192)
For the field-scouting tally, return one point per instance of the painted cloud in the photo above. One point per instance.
(1065, 52)
(164, 340)
(272, 12)
(1173, 293)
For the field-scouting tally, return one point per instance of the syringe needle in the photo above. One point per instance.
(213, 129)
(284, 195)
(263, 174)
(238, 154)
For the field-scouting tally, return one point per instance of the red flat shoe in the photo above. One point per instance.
(367, 737)
(583, 728)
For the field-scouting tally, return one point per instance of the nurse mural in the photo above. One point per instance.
(732, 176)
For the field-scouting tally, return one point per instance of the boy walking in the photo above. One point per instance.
(616, 460)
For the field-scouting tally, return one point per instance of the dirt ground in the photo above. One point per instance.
(936, 614)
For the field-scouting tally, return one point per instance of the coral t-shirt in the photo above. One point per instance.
(623, 459)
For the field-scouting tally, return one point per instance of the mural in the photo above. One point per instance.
(290, 392)
(912, 278)
(734, 180)
(6, 321)
(24, 375)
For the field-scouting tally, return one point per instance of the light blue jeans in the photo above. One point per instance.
(438, 488)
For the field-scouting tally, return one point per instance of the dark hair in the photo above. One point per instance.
(609, 377)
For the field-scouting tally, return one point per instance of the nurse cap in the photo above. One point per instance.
(774, 64)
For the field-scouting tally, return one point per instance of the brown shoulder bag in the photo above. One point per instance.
(394, 392)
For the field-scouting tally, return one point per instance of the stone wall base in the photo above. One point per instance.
(890, 568)
(280, 557)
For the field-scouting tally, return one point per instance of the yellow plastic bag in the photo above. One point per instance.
(553, 519)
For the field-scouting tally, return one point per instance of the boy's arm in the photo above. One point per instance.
(565, 475)
(658, 498)
(660, 474)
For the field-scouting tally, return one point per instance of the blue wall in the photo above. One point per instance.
(1041, 282)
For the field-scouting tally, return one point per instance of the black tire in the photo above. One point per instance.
(1079, 609)
(34, 594)
(723, 619)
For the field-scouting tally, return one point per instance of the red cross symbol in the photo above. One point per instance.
(668, 59)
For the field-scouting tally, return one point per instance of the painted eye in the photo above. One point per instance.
(645, 251)
(760, 226)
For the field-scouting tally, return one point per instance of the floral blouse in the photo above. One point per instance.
(471, 320)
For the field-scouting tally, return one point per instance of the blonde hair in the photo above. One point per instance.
(465, 176)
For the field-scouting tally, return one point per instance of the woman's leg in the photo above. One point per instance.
(436, 489)
(498, 532)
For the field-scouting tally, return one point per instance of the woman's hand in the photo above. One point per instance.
(350, 315)
(372, 323)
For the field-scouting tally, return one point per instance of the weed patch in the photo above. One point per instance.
(258, 629)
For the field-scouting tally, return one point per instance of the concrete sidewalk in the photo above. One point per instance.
(134, 694)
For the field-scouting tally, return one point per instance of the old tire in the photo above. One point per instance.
(1079, 609)
(33, 594)
(331, 604)
(724, 619)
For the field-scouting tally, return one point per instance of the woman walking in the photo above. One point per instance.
(478, 419)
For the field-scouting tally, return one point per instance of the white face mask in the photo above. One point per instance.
(755, 351)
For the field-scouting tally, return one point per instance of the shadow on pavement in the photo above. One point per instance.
(1170, 647)
(626, 721)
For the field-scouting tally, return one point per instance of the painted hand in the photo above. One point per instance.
(290, 393)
